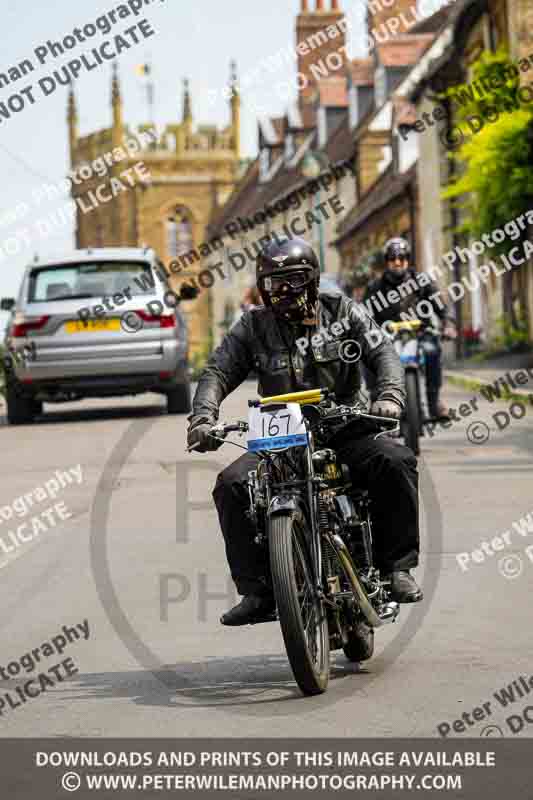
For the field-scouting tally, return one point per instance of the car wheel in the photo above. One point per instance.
(20, 408)
(179, 399)
(37, 407)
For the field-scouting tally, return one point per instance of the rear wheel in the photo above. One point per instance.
(357, 634)
(301, 613)
(179, 399)
(412, 411)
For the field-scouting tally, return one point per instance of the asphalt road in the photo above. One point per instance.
(157, 668)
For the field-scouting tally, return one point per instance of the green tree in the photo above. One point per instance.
(494, 182)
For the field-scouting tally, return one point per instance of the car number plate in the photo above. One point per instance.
(92, 325)
(273, 430)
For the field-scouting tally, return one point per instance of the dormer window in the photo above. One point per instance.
(322, 126)
(289, 146)
(264, 163)
(380, 86)
(353, 98)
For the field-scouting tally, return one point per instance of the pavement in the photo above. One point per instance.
(140, 565)
(513, 373)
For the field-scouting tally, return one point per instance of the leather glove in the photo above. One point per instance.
(199, 435)
(386, 408)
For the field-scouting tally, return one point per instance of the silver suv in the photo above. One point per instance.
(96, 323)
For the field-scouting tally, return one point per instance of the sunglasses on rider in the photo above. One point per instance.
(295, 280)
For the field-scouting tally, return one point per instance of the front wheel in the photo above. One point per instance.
(412, 412)
(301, 613)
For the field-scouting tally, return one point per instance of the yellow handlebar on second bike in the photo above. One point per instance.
(408, 325)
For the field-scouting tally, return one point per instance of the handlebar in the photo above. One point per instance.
(221, 430)
(345, 413)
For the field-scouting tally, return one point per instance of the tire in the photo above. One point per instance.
(412, 412)
(179, 399)
(360, 644)
(37, 407)
(290, 567)
(20, 408)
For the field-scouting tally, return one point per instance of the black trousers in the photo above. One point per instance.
(433, 353)
(383, 466)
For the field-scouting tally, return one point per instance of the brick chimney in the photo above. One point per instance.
(379, 12)
(320, 44)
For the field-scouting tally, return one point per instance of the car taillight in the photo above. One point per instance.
(32, 324)
(167, 321)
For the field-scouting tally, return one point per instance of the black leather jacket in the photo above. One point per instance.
(404, 297)
(261, 342)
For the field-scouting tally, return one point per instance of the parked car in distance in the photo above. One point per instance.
(56, 355)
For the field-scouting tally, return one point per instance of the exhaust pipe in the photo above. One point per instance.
(387, 613)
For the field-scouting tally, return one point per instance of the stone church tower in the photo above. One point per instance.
(190, 173)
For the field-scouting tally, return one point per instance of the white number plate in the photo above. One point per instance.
(273, 430)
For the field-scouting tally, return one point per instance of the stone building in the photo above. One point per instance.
(191, 172)
(472, 27)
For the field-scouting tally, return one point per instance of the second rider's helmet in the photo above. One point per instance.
(393, 250)
(396, 248)
(287, 276)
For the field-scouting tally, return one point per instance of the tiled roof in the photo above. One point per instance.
(238, 199)
(341, 143)
(404, 50)
(382, 193)
(361, 71)
(433, 23)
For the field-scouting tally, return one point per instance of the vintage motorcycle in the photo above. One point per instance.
(412, 344)
(317, 529)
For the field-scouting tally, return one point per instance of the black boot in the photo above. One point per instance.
(252, 609)
(404, 588)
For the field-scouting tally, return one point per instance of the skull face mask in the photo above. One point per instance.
(291, 295)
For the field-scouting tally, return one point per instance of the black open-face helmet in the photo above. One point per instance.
(394, 249)
(287, 276)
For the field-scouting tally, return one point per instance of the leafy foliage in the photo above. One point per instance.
(495, 175)
(512, 338)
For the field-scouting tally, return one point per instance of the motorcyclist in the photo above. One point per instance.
(398, 271)
(263, 339)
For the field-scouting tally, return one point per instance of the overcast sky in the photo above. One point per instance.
(195, 39)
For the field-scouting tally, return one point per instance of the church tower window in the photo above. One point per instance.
(179, 233)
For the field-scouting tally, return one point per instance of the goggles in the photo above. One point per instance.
(295, 280)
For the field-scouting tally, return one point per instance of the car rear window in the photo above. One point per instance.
(90, 279)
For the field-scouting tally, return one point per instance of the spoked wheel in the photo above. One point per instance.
(301, 613)
(412, 411)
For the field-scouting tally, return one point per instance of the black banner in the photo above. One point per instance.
(257, 768)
